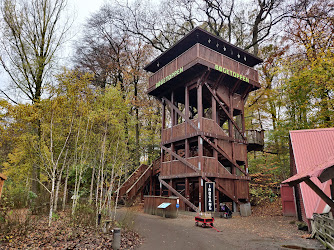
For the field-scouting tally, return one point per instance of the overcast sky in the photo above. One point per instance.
(80, 11)
(84, 8)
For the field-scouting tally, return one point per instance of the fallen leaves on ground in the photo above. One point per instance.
(268, 208)
(63, 234)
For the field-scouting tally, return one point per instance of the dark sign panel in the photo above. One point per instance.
(209, 196)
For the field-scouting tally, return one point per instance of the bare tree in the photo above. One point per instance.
(32, 34)
(245, 23)
(219, 18)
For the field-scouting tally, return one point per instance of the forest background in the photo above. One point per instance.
(74, 130)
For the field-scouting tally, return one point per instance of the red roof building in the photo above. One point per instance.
(311, 157)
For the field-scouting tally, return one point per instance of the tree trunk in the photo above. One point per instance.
(65, 188)
(92, 185)
(53, 180)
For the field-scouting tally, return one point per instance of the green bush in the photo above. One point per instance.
(259, 195)
(15, 196)
(85, 215)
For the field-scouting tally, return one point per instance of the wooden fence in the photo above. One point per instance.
(151, 204)
(323, 227)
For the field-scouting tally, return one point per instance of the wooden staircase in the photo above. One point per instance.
(137, 180)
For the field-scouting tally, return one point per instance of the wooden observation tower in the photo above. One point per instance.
(202, 83)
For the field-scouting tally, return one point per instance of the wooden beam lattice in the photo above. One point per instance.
(184, 199)
(140, 178)
(181, 159)
(219, 80)
(319, 192)
(216, 147)
(224, 191)
(220, 102)
(184, 161)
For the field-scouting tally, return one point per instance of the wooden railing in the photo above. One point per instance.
(255, 137)
(211, 168)
(209, 58)
(131, 186)
(324, 229)
(180, 131)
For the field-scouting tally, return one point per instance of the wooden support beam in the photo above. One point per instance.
(192, 206)
(219, 80)
(230, 117)
(246, 91)
(220, 137)
(163, 123)
(196, 174)
(204, 77)
(186, 105)
(216, 147)
(327, 174)
(201, 193)
(224, 191)
(151, 185)
(236, 85)
(319, 192)
(187, 188)
(220, 188)
(181, 159)
(217, 200)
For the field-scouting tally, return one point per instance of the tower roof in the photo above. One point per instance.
(199, 35)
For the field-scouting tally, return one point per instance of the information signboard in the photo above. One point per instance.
(164, 205)
(209, 196)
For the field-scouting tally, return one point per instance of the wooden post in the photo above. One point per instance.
(163, 123)
(319, 192)
(187, 189)
(186, 142)
(151, 185)
(215, 118)
(187, 151)
(244, 132)
(172, 116)
(217, 200)
(173, 123)
(231, 129)
(170, 184)
(200, 145)
(200, 193)
(142, 195)
(160, 188)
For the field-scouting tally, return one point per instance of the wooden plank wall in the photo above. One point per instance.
(209, 127)
(208, 56)
(151, 204)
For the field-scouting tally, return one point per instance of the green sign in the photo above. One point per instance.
(167, 78)
(231, 73)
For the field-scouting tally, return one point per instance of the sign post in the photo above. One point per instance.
(209, 196)
(177, 206)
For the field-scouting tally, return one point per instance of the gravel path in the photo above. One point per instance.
(252, 232)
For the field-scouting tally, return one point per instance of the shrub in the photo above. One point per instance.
(84, 215)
